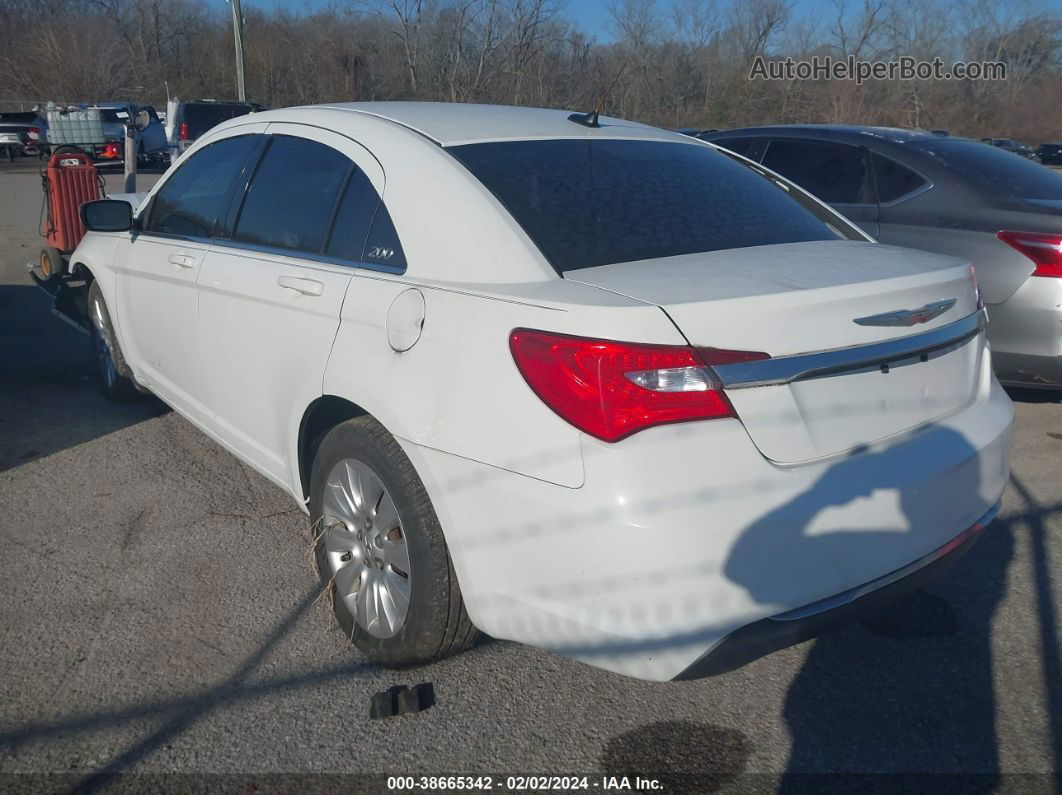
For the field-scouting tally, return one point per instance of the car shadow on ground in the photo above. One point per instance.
(49, 400)
(910, 690)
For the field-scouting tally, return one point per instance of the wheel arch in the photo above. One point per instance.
(320, 416)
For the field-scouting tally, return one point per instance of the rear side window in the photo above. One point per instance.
(196, 195)
(894, 180)
(353, 218)
(588, 203)
(292, 195)
(382, 246)
(994, 170)
(835, 173)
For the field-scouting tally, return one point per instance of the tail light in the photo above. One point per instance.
(111, 151)
(184, 131)
(35, 132)
(1044, 250)
(613, 389)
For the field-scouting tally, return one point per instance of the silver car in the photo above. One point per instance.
(949, 195)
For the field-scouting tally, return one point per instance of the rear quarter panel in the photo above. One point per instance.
(458, 389)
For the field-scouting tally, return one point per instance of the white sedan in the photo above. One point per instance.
(575, 382)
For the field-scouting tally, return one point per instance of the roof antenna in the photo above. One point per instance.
(591, 119)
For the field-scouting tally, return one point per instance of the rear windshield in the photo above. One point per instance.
(201, 117)
(19, 118)
(588, 203)
(995, 170)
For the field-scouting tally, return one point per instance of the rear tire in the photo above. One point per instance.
(113, 373)
(394, 590)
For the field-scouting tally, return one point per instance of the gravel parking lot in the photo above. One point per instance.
(159, 615)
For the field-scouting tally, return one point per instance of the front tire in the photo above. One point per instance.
(378, 543)
(113, 373)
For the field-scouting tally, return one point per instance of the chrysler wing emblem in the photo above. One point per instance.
(907, 317)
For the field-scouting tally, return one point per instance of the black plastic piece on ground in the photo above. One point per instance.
(402, 700)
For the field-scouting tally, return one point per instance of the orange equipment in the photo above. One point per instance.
(70, 180)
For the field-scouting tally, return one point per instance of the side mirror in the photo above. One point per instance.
(141, 120)
(107, 215)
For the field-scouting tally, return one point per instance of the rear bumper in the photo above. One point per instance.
(1025, 332)
(682, 535)
(796, 626)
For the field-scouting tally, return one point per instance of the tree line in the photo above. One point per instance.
(683, 63)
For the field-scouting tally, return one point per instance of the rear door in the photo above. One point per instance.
(158, 264)
(839, 174)
(270, 295)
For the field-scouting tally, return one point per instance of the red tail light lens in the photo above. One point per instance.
(184, 131)
(112, 151)
(613, 389)
(1044, 250)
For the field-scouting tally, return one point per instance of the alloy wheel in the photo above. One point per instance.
(364, 548)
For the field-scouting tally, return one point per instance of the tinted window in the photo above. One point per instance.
(353, 219)
(587, 203)
(200, 117)
(995, 170)
(836, 173)
(382, 246)
(28, 117)
(893, 179)
(739, 145)
(196, 195)
(292, 195)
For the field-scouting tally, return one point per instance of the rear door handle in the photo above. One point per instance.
(183, 260)
(301, 285)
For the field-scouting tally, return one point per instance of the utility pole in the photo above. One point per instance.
(237, 32)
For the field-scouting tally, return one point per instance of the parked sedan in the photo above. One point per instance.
(1014, 147)
(21, 133)
(948, 195)
(1050, 154)
(579, 383)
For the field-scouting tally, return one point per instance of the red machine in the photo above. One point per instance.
(70, 180)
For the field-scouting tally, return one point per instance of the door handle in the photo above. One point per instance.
(182, 260)
(301, 285)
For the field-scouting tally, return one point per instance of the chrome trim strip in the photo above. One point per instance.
(786, 369)
(845, 597)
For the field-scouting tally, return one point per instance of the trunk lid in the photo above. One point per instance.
(802, 298)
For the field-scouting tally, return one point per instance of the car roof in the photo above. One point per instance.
(894, 134)
(450, 124)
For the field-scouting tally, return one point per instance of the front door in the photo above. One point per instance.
(159, 264)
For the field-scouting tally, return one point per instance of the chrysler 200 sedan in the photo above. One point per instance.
(575, 382)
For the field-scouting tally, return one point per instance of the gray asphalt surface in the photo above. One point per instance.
(158, 614)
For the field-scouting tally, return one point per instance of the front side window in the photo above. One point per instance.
(192, 200)
(292, 195)
(594, 202)
(835, 173)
